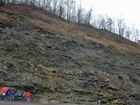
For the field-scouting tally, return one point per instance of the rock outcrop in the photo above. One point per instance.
(65, 68)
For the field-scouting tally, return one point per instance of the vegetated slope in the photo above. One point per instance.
(63, 62)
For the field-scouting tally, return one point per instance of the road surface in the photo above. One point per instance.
(27, 103)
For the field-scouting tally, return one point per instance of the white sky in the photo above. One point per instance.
(127, 9)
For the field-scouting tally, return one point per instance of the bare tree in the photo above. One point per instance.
(2, 2)
(109, 24)
(95, 22)
(73, 11)
(44, 3)
(69, 4)
(48, 5)
(88, 17)
(80, 14)
(121, 26)
(32, 2)
(27, 2)
(13, 1)
(136, 35)
(55, 4)
(101, 22)
(139, 41)
(61, 9)
(128, 33)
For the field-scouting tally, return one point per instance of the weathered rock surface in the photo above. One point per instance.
(64, 68)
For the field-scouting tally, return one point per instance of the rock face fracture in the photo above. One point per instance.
(63, 62)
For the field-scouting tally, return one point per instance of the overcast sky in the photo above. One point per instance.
(128, 9)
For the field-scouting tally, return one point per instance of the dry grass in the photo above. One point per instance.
(59, 80)
(46, 20)
(3, 16)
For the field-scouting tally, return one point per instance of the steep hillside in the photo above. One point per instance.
(63, 62)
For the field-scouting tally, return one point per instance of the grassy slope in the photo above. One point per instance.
(43, 19)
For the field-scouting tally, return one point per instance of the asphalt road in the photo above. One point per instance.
(26, 103)
(17, 103)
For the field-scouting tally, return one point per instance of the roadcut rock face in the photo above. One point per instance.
(64, 68)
